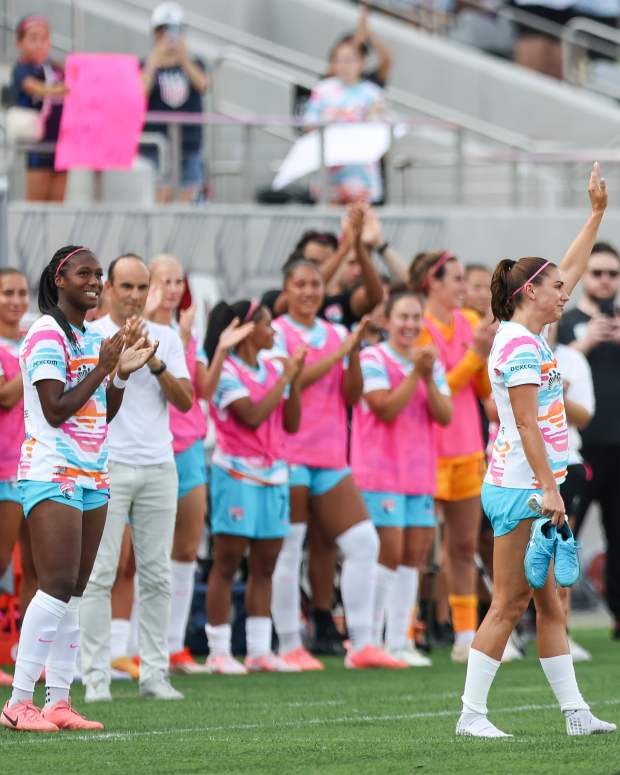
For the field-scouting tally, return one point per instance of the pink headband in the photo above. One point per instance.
(529, 280)
(254, 305)
(66, 258)
(443, 259)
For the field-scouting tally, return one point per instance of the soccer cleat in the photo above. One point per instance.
(460, 653)
(183, 662)
(539, 552)
(160, 689)
(411, 656)
(566, 561)
(64, 717)
(98, 691)
(270, 663)
(326, 639)
(477, 725)
(25, 717)
(5, 679)
(511, 652)
(371, 657)
(126, 665)
(224, 664)
(303, 659)
(583, 722)
(578, 653)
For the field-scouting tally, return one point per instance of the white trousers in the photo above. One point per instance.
(148, 496)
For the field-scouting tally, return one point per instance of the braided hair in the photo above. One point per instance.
(48, 292)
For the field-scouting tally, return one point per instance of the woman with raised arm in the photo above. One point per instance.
(69, 399)
(530, 458)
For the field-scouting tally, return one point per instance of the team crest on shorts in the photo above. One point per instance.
(388, 505)
(236, 512)
(67, 489)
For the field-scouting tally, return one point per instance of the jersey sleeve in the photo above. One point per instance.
(314, 106)
(175, 358)
(518, 362)
(45, 356)
(229, 388)
(581, 388)
(374, 373)
(440, 379)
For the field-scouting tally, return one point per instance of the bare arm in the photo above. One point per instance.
(36, 88)
(353, 381)
(369, 294)
(197, 76)
(439, 405)
(396, 264)
(254, 414)
(576, 414)
(11, 391)
(177, 390)
(292, 408)
(59, 404)
(207, 378)
(388, 404)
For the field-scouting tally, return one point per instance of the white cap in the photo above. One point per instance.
(167, 15)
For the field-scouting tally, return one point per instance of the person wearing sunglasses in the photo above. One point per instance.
(593, 328)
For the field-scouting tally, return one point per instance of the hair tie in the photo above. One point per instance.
(529, 280)
(66, 258)
(442, 260)
(254, 305)
(30, 21)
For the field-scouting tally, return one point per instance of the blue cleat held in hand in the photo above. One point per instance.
(539, 552)
(566, 561)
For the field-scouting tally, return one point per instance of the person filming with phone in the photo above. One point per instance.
(593, 328)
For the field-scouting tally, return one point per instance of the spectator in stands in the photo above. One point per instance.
(536, 48)
(367, 40)
(38, 85)
(593, 328)
(175, 82)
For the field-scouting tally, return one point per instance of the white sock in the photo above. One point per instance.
(219, 638)
(464, 638)
(481, 671)
(360, 546)
(400, 606)
(133, 645)
(258, 636)
(38, 633)
(285, 594)
(182, 589)
(119, 638)
(560, 673)
(62, 657)
(383, 590)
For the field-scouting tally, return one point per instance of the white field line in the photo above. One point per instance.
(273, 726)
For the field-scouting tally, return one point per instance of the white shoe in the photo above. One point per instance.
(477, 725)
(270, 663)
(582, 722)
(160, 689)
(99, 691)
(578, 653)
(460, 653)
(511, 652)
(224, 664)
(411, 656)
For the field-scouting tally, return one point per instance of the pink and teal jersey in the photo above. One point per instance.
(189, 427)
(252, 455)
(399, 456)
(11, 420)
(519, 357)
(322, 437)
(75, 453)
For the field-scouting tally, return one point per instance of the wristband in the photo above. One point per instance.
(160, 370)
(382, 248)
(119, 383)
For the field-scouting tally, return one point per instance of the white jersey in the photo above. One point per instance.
(575, 369)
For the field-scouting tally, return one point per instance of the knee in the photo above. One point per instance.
(548, 611)
(225, 565)
(360, 542)
(62, 586)
(262, 568)
(509, 609)
(184, 553)
(462, 546)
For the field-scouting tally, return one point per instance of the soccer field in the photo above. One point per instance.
(338, 721)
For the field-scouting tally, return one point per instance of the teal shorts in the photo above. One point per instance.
(191, 468)
(79, 498)
(317, 480)
(242, 508)
(9, 491)
(505, 507)
(390, 509)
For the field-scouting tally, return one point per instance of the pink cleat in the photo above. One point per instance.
(224, 664)
(63, 716)
(303, 659)
(270, 663)
(5, 679)
(372, 657)
(25, 717)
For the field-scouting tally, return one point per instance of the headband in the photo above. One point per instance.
(30, 21)
(443, 259)
(66, 258)
(254, 305)
(529, 279)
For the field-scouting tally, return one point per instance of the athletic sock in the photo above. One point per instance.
(219, 638)
(62, 657)
(386, 578)
(258, 636)
(400, 607)
(119, 638)
(481, 671)
(38, 632)
(464, 610)
(182, 588)
(560, 673)
(360, 547)
(285, 594)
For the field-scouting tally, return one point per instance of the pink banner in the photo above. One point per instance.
(103, 112)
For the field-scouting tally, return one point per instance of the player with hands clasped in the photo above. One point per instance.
(73, 387)
(529, 457)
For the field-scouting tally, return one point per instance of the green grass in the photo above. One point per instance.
(337, 721)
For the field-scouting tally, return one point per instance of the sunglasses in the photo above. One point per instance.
(598, 273)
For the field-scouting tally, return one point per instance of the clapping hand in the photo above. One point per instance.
(233, 334)
(110, 351)
(423, 359)
(134, 357)
(294, 364)
(354, 341)
(153, 300)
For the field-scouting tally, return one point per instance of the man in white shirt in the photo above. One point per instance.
(143, 487)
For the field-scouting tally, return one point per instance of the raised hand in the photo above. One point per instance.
(354, 341)
(134, 329)
(186, 321)
(233, 334)
(483, 337)
(153, 300)
(135, 357)
(372, 234)
(110, 351)
(423, 359)
(597, 190)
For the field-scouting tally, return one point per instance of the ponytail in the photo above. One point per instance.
(509, 280)
(48, 291)
(222, 315)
